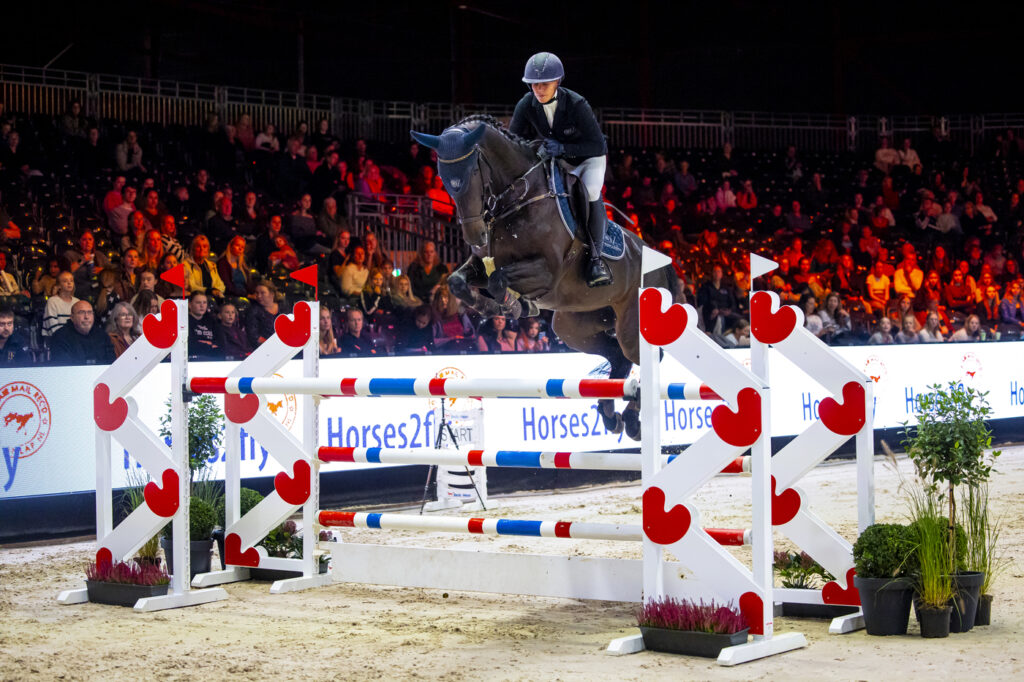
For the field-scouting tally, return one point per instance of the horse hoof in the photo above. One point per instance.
(612, 424)
(631, 418)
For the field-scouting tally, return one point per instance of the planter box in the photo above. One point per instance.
(825, 611)
(273, 574)
(121, 594)
(200, 556)
(690, 643)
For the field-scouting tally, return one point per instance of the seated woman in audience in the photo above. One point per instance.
(402, 295)
(165, 288)
(376, 257)
(204, 332)
(496, 337)
(908, 333)
(813, 323)
(932, 330)
(236, 342)
(152, 250)
(328, 344)
(146, 302)
(989, 309)
(739, 335)
(233, 269)
(375, 301)
(123, 327)
(835, 319)
(971, 331)
(529, 339)
(259, 322)
(416, 334)
(138, 229)
(354, 274)
(899, 308)
(283, 255)
(426, 271)
(201, 270)
(985, 281)
(453, 331)
(883, 333)
(1010, 310)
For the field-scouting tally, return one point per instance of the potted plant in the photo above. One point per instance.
(201, 520)
(124, 583)
(797, 570)
(948, 448)
(934, 566)
(982, 551)
(247, 499)
(286, 541)
(882, 556)
(685, 627)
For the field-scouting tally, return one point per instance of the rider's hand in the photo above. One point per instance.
(554, 147)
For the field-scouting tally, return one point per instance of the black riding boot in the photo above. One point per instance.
(598, 273)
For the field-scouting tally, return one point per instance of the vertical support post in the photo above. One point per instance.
(761, 492)
(865, 441)
(104, 485)
(650, 452)
(179, 451)
(310, 440)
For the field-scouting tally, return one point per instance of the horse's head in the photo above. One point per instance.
(458, 165)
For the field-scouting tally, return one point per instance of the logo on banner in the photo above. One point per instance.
(454, 403)
(875, 368)
(283, 407)
(26, 418)
(970, 365)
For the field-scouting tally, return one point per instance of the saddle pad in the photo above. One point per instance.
(614, 245)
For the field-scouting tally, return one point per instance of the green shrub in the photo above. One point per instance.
(201, 519)
(884, 550)
(247, 499)
(916, 536)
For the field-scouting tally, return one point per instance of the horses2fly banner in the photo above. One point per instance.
(48, 447)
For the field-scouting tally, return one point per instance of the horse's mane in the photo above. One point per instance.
(498, 126)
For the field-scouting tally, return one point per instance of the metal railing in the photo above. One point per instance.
(402, 222)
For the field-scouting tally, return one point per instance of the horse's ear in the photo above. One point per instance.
(474, 137)
(432, 141)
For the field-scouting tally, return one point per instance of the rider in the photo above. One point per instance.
(566, 123)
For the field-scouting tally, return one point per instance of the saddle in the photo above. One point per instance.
(574, 208)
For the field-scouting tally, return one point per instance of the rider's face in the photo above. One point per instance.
(544, 91)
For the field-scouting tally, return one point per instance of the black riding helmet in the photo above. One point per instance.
(543, 67)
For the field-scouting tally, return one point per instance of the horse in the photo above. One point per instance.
(523, 258)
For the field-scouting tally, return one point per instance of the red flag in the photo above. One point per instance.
(176, 276)
(309, 275)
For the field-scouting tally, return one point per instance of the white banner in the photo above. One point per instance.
(47, 431)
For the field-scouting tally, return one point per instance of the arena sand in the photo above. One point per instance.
(355, 632)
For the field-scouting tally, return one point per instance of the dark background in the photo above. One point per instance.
(865, 57)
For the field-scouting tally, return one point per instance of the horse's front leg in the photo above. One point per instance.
(465, 283)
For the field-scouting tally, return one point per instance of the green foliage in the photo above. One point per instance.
(247, 499)
(918, 533)
(201, 519)
(933, 581)
(134, 495)
(205, 429)
(982, 536)
(884, 550)
(797, 570)
(283, 541)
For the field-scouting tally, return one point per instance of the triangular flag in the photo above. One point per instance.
(760, 266)
(652, 260)
(175, 276)
(309, 275)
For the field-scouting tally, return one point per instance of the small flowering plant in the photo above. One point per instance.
(798, 570)
(127, 573)
(675, 614)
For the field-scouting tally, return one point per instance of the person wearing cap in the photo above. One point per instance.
(565, 122)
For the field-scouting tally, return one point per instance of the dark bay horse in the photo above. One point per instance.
(523, 258)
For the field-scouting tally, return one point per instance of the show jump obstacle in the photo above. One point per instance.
(670, 523)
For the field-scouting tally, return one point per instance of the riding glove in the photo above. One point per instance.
(554, 147)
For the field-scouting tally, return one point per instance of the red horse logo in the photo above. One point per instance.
(20, 419)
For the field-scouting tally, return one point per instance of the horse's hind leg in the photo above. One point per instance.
(587, 332)
(627, 331)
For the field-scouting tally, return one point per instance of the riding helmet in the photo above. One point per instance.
(543, 67)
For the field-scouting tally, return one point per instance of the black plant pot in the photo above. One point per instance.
(120, 594)
(218, 537)
(690, 643)
(827, 611)
(274, 574)
(984, 614)
(934, 622)
(200, 554)
(886, 604)
(965, 603)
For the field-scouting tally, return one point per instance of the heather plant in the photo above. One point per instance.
(127, 573)
(676, 614)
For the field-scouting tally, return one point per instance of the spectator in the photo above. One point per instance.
(931, 332)
(375, 300)
(746, 200)
(236, 343)
(416, 335)
(908, 277)
(153, 251)
(293, 176)
(221, 227)
(725, 198)
(940, 262)
(797, 222)
(259, 323)
(284, 255)
(959, 296)
(14, 160)
(14, 350)
(8, 284)
(266, 243)
(312, 158)
(907, 333)
(328, 344)
(908, 157)
(303, 229)
(136, 235)
(353, 341)
(1010, 310)
(267, 140)
(92, 155)
(80, 341)
(354, 273)
(58, 308)
(441, 202)
(233, 269)
(250, 218)
(683, 180)
(717, 301)
(495, 336)
(835, 320)
(169, 237)
(813, 323)
(164, 288)
(44, 282)
(128, 155)
(200, 194)
(402, 295)
(453, 331)
(971, 331)
(244, 132)
(330, 223)
(205, 339)
(147, 282)
(86, 263)
(153, 210)
(426, 272)
(739, 335)
(883, 333)
(123, 327)
(530, 339)
(877, 289)
(201, 271)
(375, 256)
(115, 197)
(988, 309)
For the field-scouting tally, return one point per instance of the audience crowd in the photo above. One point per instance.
(905, 245)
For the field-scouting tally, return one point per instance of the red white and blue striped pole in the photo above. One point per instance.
(450, 388)
(522, 459)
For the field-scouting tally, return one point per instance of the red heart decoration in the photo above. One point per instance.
(742, 427)
(239, 409)
(163, 501)
(660, 328)
(294, 332)
(660, 526)
(162, 332)
(784, 506)
(104, 557)
(769, 327)
(294, 489)
(234, 555)
(108, 415)
(833, 594)
(752, 608)
(848, 418)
